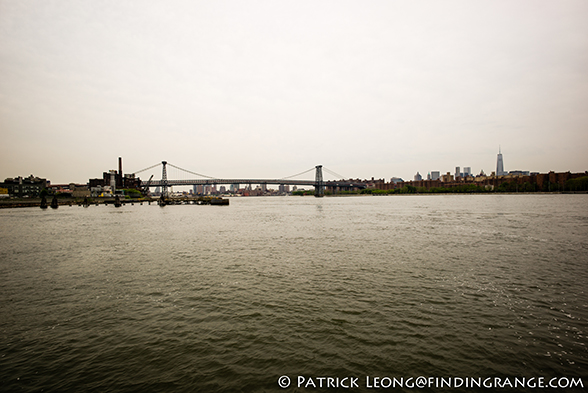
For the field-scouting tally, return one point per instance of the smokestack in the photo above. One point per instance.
(120, 172)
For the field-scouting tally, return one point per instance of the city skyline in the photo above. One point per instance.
(269, 89)
(155, 173)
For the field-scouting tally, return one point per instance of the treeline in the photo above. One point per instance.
(578, 184)
(408, 189)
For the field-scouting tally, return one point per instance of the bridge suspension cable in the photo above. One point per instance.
(298, 174)
(146, 169)
(211, 177)
(334, 173)
(193, 173)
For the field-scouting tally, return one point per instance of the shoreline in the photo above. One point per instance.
(36, 202)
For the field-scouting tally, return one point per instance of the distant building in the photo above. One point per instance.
(116, 179)
(62, 189)
(447, 178)
(457, 172)
(418, 177)
(435, 175)
(467, 171)
(519, 173)
(500, 164)
(25, 187)
(395, 180)
(80, 191)
(113, 174)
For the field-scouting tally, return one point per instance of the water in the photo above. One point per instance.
(228, 299)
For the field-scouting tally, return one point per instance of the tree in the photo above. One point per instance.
(577, 184)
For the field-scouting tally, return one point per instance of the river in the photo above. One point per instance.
(272, 294)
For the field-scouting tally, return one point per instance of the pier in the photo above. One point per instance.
(37, 202)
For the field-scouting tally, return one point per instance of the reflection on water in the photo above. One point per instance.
(207, 298)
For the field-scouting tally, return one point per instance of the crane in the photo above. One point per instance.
(145, 188)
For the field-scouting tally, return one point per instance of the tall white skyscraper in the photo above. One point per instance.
(499, 164)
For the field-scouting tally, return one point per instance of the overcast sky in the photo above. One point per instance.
(267, 89)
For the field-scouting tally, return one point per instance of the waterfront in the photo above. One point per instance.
(208, 298)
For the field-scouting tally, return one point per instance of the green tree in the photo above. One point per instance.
(578, 184)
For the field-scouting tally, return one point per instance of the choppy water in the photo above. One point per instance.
(228, 299)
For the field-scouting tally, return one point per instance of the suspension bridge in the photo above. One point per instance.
(318, 183)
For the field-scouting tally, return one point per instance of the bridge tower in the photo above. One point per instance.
(319, 186)
(164, 180)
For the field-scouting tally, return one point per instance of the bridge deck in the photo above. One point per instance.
(193, 182)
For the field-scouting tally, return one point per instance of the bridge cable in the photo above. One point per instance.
(146, 169)
(334, 174)
(301, 173)
(194, 173)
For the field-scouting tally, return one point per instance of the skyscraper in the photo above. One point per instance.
(499, 164)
